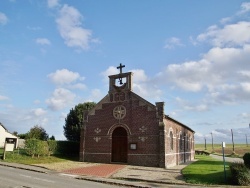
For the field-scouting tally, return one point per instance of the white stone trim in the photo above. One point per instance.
(167, 154)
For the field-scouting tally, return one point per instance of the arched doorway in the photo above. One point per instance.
(119, 145)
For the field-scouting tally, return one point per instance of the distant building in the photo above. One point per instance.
(5, 134)
(125, 128)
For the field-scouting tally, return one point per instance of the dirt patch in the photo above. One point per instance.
(62, 166)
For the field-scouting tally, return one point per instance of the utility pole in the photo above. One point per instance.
(212, 142)
(205, 143)
(246, 140)
(232, 139)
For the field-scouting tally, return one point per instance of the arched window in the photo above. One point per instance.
(180, 142)
(171, 140)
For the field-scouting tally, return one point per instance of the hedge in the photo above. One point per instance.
(240, 174)
(35, 147)
(38, 148)
(68, 148)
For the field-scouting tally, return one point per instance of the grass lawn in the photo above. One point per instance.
(206, 171)
(19, 156)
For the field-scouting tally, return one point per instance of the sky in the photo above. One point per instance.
(192, 55)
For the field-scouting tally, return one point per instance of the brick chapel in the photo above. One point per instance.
(125, 128)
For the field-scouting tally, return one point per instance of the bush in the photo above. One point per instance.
(246, 159)
(30, 146)
(36, 147)
(52, 144)
(42, 148)
(68, 148)
(240, 174)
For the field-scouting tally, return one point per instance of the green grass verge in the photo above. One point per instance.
(206, 171)
(19, 156)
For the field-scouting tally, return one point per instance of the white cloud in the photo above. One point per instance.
(221, 75)
(3, 18)
(189, 76)
(38, 112)
(245, 115)
(53, 3)
(148, 91)
(246, 87)
(171, 43)
(64, 76)
(231, 35)
(189, 106)
(69, 24)
(60, 99)
(244, 73)
(110, 71)
(141, 83)
(43, 41)
(2, 98)
(139, 75)
(245, 7)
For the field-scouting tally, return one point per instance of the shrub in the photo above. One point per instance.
(240, 174)
(246, 159)
(42, 148)
(36, 147)
(52, 144)
(30, 146)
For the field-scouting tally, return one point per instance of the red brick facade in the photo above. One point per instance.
(125, 128)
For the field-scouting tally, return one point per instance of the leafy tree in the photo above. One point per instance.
(37, 132)
(52, 137)
(74, 121)
(23, 136)
(15, 133)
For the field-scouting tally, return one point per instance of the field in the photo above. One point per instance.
(239, 149)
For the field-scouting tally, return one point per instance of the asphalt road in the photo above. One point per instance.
(18, 178)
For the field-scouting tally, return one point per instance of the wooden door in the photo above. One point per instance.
(119, 145)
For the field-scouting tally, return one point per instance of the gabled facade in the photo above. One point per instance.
(5, 134)
(125, 128)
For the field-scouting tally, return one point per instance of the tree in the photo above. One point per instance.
(37, 132)
(52, 137)
(74, 121)
(15, 133)
(23, 136)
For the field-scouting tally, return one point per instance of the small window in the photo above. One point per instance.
(133, 146)
(180, 142)
(171, 140)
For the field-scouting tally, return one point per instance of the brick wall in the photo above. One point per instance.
(147, 127)
(181, 150)
(142, 129)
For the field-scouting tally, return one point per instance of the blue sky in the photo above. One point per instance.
(193, 55)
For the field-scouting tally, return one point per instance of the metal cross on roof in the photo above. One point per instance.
(120, 67)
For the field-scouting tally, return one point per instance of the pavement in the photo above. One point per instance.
(228, 159)
(118, 174)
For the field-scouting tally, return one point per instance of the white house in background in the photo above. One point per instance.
(5, 134)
